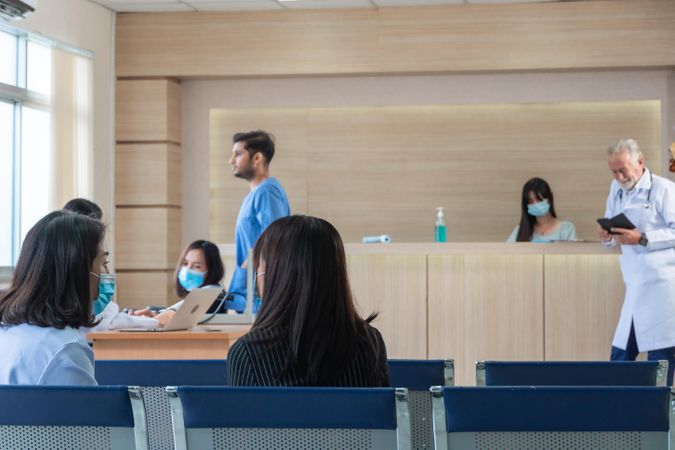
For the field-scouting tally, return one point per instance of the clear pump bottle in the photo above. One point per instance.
(440, 225)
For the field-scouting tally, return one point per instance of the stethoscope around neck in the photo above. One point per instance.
(649, 192)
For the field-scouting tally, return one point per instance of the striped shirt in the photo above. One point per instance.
(259, 356)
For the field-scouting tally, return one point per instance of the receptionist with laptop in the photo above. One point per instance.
(199, 266)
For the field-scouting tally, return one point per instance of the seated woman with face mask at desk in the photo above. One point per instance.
(539, 222)
(106, 312)
(199, 266)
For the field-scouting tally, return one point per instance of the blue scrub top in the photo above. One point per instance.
(262, 206)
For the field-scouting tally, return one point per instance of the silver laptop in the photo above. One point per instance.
(190, 312)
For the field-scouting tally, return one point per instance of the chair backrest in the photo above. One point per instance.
(552, 417)
(418, 375)
(47, 417)
(571, 373)
(278, 417)
(154, 377)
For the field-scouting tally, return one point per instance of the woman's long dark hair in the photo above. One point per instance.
(542, 191)
(50, 286)
(215, 271)
(85, 207)
(306, 292)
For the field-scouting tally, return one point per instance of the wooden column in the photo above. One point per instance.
(147, 189)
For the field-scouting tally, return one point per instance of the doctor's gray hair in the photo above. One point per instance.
(627, 145)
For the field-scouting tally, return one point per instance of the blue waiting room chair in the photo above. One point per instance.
(153, 376)
(283, 417)
(418, 375)
(59, 417)
(570, 417)
(571, 373)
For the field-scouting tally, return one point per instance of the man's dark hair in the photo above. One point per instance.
(215, 270)
(50, 286)
(258, 141)
(84, 207)
(306, 292)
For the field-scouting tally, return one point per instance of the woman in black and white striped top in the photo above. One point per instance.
(307, 332)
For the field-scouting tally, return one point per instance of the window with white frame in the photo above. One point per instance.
(45, 133)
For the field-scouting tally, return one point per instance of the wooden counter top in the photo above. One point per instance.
(469, 248)
(213, 332)
(199, 343)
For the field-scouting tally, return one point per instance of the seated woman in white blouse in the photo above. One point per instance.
(107, 311)
(50, 297)
(538, 221)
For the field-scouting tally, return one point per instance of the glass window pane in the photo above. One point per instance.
(8, 45)
(39, 68)
(6, 180)
(35, 164)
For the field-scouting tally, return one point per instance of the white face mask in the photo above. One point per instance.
(538, 209)
(190, 279)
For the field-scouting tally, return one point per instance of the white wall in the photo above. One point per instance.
(88, 26)
(199, 96)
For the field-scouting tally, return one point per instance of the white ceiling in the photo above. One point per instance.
(238, 5)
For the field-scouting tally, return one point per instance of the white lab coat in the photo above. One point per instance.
(649, 272)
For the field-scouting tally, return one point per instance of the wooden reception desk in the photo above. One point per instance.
(212, 342)
(478, 301)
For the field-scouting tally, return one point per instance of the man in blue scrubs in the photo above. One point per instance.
(252, 153)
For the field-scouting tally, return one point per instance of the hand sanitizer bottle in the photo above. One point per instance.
(440, 225)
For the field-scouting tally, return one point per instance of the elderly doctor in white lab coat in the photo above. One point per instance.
(647, 320)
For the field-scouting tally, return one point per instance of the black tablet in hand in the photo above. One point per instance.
(618, 221)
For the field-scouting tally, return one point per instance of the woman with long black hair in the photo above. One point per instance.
(50, 297)
(307, 331)
(538, 220)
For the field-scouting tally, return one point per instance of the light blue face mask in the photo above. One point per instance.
(106, 291)
(190, 279)
(538, 209)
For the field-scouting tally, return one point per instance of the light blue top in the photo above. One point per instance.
(262, 206)
(565, 232)
(43, 355)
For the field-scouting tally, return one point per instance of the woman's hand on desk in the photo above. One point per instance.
(162, 317)
(165, 316)
(147, 312)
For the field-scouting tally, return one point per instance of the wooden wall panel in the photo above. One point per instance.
(140, 289)
(384, 170)
(556, 35)
(147, 110)
(395, 287)
(452, 38)
(148, 174)
(147, 238)
(147, 187)
(246, 43)
(583, 299)
(485, 307)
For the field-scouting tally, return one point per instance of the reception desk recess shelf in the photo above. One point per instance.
(147, 189)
